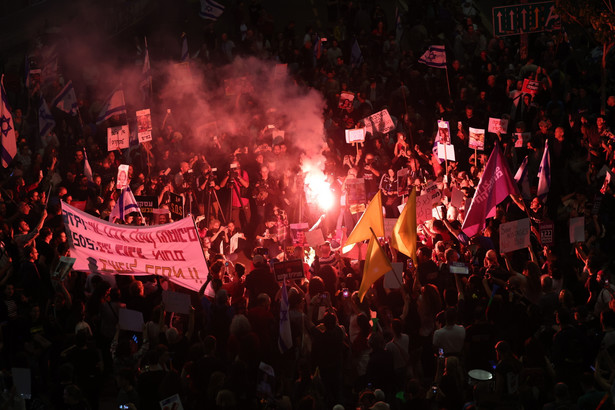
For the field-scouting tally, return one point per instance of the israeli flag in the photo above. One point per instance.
(211, 10)
(521, 177)
(115, 105)
(544, 173)
(356, 57)
(125, 204)
(46, 122)
(435, 56)
(7, 129)
(66, 100)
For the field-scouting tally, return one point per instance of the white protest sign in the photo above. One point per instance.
(380, 121)
(424, 204)
(577, 229)
(171, 250)
(530, 86)
(118, 137)
(131, 320)
(444, 132)
(314, 238)
(63, 267)
(176, 302)
(498, 125)
(389, 224)
(514, 235)
(144, 126)
(521, 138)
(477, 138)
(457, 198)
(393, 278)
(431, 189)
(277, 136)
(355, 135)
(446, 151)
(121, 181)
(171, 403)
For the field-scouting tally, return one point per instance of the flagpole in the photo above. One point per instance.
(149, 79)
(448, 84)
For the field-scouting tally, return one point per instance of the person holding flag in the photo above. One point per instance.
(125, 205)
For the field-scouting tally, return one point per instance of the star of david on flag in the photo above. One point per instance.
(211, 10)
(435, 56)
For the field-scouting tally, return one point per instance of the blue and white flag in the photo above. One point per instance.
(285, 339)
(435, 56)
(185, 54)
(544, 173)
(521, 177)
(46, 122)
(87, 169)
(7, 129)
(125, 205)
(66, 100)
(211, 10)
(356, 57)
(114, 105)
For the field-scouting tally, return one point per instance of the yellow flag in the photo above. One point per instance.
(403, 237)
(376, 265)
(371, 218)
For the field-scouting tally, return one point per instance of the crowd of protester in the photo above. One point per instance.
(539, 321)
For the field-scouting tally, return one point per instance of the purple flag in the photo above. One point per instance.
(494, 186)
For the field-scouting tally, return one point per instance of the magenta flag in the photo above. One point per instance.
(494, 186)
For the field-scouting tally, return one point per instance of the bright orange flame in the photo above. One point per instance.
(318, 190)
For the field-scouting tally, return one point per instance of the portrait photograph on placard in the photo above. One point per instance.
(477, 138)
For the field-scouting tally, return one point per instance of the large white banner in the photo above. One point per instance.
(172, 250)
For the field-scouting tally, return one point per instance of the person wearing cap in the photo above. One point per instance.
(325, 257)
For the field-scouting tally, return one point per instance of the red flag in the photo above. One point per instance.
(494, 186)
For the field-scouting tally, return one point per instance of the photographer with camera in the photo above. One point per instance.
(238, 182)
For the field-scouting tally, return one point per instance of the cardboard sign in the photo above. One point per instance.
(576, 229)
(546, 233)
(147, 204)
(346, 99)
(176, 206)
(498, 125)
(118, 137)
(314, 238)
(131, 320)
(393, 278)
(380, 121)
(530, 87)
(514, 235)
(63, 267)
(403, 185)
(477, 138)
(292, 269)
(389, 224)
(176, 302)
(444, 132)
(446, 151)
(171, 403)
(144, 126)
(122, 176)
(355, 135)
